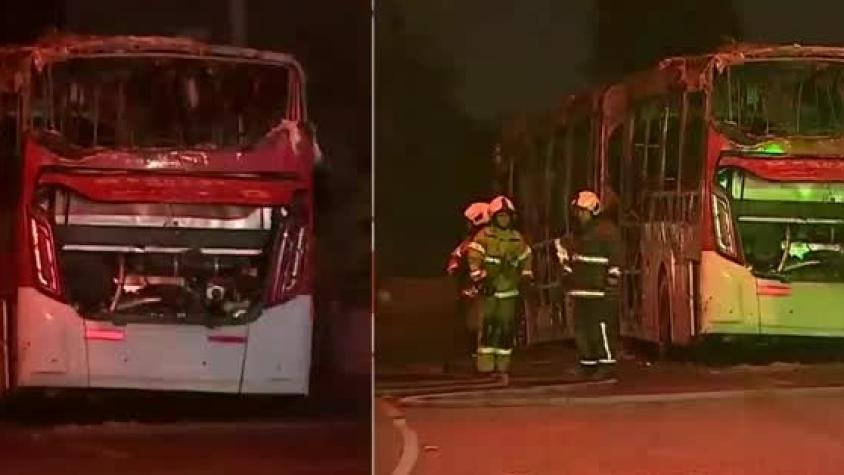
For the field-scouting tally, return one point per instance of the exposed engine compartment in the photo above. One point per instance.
(163, 263)
(184, 287)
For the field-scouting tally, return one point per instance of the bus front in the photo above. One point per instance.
(164, 223)
(774, 260)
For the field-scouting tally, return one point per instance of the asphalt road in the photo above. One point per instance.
(173, 433)
(327, 446)
(744, 435)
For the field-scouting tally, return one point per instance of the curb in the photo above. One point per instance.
(449, 401)
(381, 385)
(439, 389)
(172, 428)
(476, 384)
(481, 393)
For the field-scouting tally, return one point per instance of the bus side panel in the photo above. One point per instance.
(728, 296)
(50, 342)
(809, 309)
(278, 352)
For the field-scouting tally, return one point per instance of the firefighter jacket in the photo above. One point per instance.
(591, 257)
(500, 258)
(459, 268)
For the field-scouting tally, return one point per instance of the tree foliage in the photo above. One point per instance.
(432, 158)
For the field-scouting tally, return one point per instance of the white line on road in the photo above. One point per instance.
(409, 450)
(409, 440)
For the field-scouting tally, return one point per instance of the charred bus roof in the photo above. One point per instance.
(691, 72)
(59, 47)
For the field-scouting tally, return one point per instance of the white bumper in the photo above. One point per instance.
(271, 355)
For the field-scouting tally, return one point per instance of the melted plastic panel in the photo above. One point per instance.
(278, 354)
(73, 209)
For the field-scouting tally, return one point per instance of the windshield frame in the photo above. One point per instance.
(293, 110)
(738, 133)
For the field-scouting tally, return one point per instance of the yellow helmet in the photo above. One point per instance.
(587, 200)
(477, 213)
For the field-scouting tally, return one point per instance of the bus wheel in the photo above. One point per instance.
(663, 314)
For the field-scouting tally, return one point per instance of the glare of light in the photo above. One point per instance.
(103, 334)
(799, 250)
(772, 148)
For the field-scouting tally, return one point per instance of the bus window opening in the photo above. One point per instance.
(127, 103)
(789, 231)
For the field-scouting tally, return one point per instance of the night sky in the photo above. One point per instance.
(508, 56)
(505, 56)
(513, 55)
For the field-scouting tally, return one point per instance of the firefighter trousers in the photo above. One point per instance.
(596, 330)
(497, 333)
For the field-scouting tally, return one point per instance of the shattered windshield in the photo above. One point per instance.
(150, 102)
(788, 231)
(781, 98)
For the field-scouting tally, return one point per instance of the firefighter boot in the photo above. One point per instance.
(485, 360)
(502, 362)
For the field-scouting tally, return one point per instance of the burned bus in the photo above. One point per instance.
(725, 173)
(156, 216)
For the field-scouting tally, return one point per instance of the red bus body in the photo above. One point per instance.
(180, 227)
(651, 145)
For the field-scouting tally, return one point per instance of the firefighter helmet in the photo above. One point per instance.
(499, 204)
(588, 201)
(477, 213)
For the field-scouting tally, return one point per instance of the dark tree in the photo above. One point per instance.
(431, 157)
(633, 35)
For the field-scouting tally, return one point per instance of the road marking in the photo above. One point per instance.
(409, 440)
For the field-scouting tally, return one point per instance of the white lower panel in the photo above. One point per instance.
(51, 342)
(278, 354)
(54, 351)
(167, 357)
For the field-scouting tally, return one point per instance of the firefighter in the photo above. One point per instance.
(499, 261)
(465, 338)
(590, 257)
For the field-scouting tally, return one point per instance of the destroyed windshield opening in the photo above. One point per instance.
(781, 98)
(159, 102)
(790, 231)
